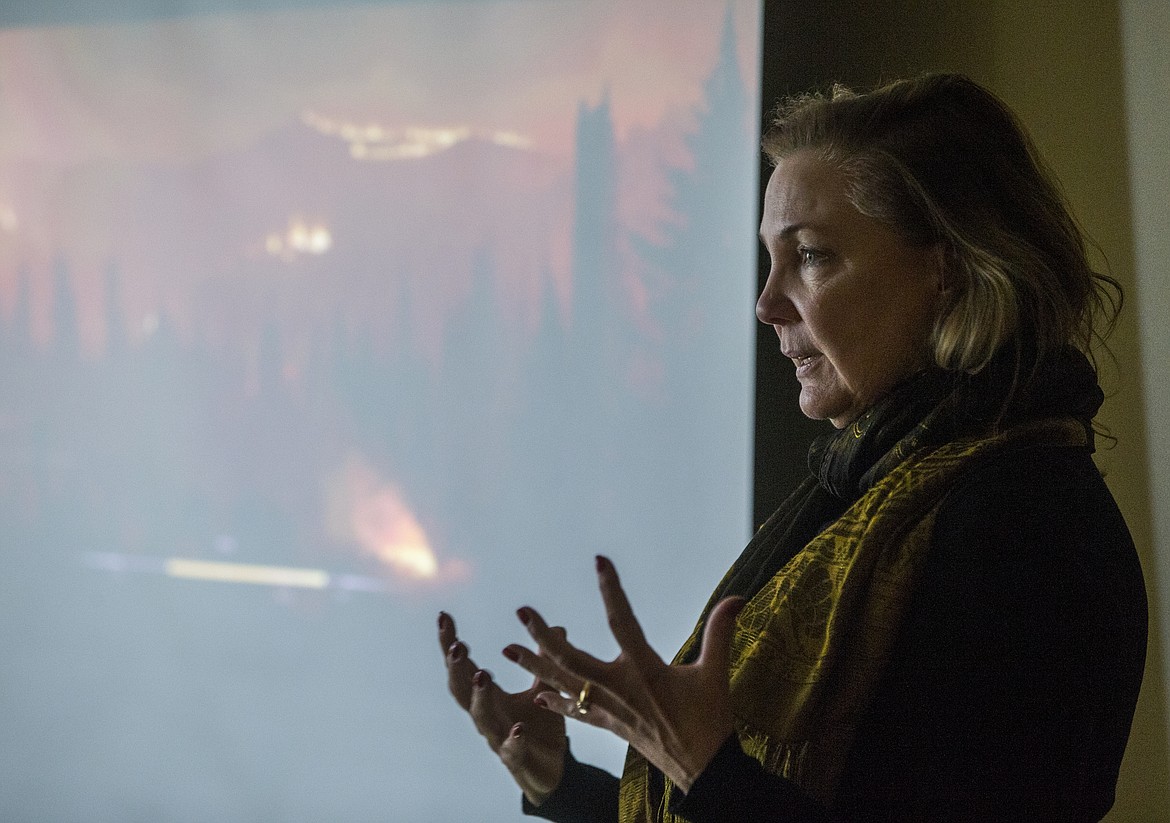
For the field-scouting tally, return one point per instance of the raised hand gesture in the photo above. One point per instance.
(528, 739)
(677, 717)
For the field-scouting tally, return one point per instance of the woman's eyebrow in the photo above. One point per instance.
(787, 231)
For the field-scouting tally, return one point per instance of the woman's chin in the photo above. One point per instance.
(816, 406)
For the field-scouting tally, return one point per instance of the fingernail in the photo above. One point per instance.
(540, 701)
(602, 563)
(512, 654)
(456, 651)
(479, 679)
(444, 619)
(525, 614)
(517, 730)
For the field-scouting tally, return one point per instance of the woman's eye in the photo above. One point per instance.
(810, 256)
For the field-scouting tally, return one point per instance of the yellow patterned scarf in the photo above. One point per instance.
(812, 643)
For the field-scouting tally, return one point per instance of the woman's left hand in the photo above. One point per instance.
(677, 717)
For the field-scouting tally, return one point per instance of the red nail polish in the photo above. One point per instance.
(525, 614)
(512, 654)
(602, 563)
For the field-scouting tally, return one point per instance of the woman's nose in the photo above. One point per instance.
(774, 308)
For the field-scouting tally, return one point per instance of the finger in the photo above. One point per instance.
(460, 671)
(460, 668)
(566, 669)
(516, 750)
(447, 634)
(595, 715)
(545, 671)
(558, 703)
(521, 751)
(625, 627)
(486, 709)
(559, 690)
(567, 706)
(536, 762)
(537, 683)
(715, 651)
(514, 652)
(559, 650)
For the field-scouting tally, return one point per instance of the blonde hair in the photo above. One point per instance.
(942, 161)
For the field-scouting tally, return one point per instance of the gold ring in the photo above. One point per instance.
(583, 699)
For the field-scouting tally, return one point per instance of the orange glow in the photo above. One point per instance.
(371, 514)
(385, 528)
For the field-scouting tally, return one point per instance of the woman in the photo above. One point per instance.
(947, 620)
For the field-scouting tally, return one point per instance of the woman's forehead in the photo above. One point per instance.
(804, 191)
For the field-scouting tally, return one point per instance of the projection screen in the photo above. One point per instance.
(315, 320)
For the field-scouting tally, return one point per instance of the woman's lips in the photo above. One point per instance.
(805, 363)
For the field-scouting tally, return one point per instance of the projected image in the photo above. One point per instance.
(314, 322)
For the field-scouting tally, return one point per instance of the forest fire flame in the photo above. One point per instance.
(386, 528)
(371, 513)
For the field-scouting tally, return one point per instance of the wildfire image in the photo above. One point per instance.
(317, 319)
(369, 513)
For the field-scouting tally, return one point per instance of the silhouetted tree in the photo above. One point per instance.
(66, 342)
(705, 272)
(116, 337)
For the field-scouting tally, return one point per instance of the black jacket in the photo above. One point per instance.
(1010, 693)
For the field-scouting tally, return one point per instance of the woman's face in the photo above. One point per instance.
(851, 302)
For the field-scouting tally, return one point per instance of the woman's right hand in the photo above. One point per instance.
(529, 740)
